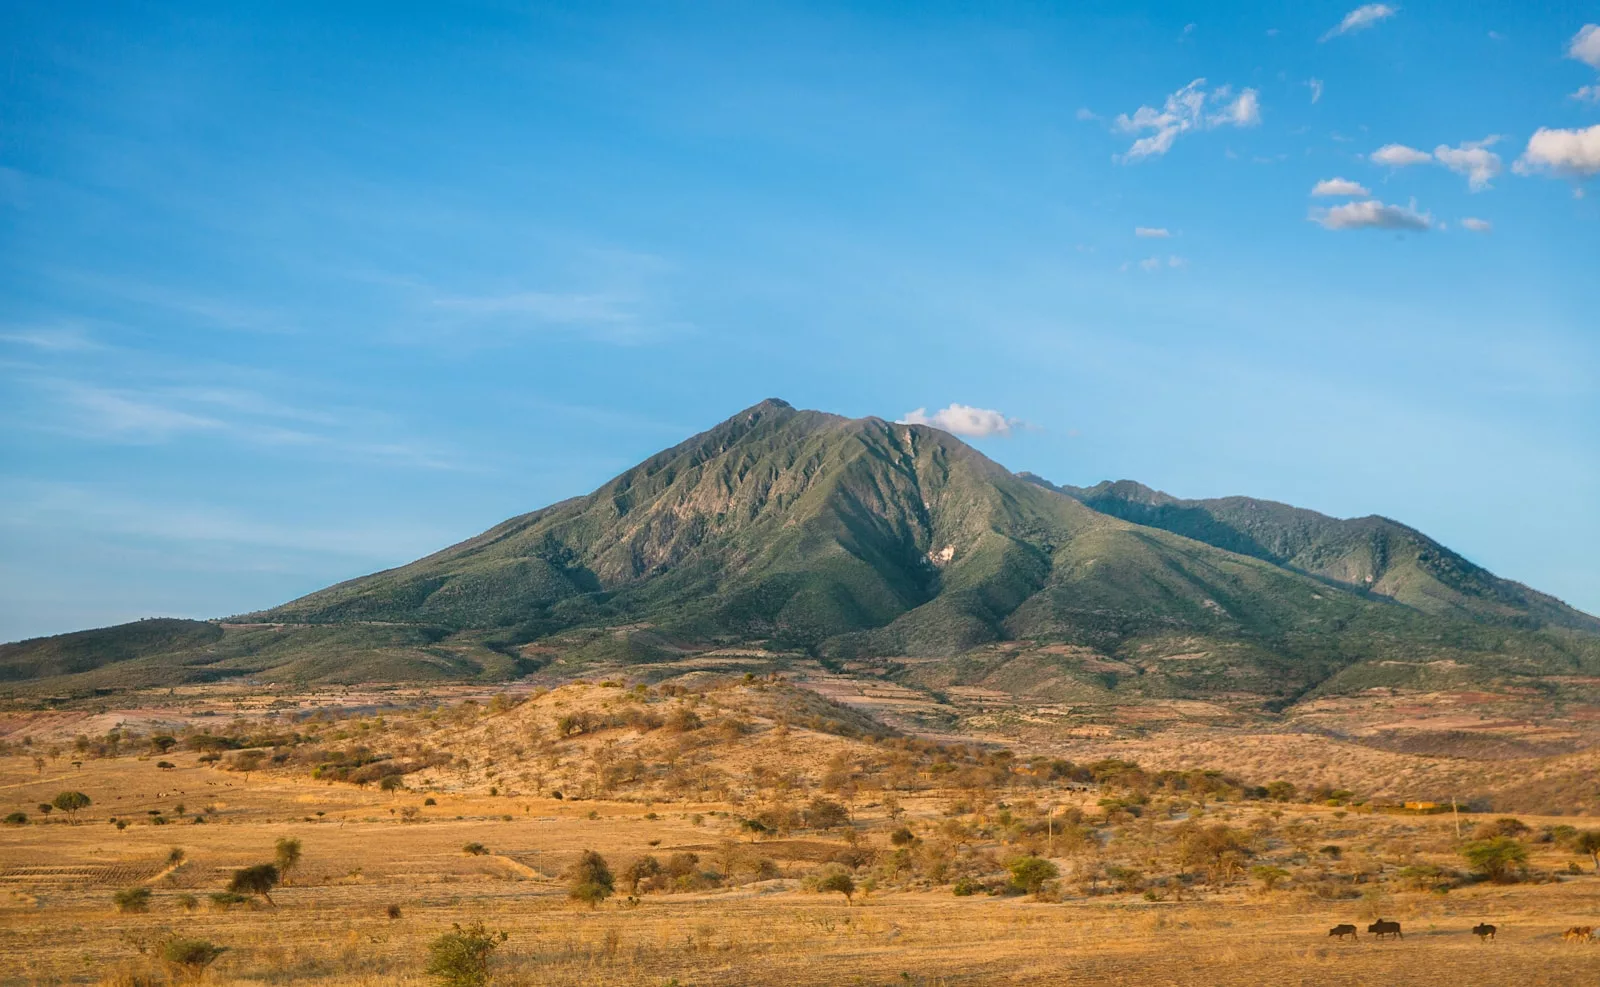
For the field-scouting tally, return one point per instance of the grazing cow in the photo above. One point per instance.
(1579, 933)
(1340, 931)
(1380, 928)
(1483, 931)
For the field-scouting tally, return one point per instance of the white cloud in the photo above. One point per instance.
(1587, 94)
(1373, 215)
(1152, 232)
(1473, 159)
(1245, 111)
(1084, 113)
(1399, 156)
(1585, 45)
(1477, 225)
(1316, 89)
(961, 419)
(1563, 152)
(1338, 186)
(1362, 18)
(1157, 263)
(1183, 111)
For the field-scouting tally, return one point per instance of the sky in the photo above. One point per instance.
(291, 292)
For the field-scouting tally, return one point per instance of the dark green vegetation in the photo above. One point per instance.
(864, 539)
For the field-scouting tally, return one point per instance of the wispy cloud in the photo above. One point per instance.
(962, 419)
(1316, 89)
(1151, 232)
(1185, 111)
(1360, 19)
(1477, 225)
(1373, 215)
(49, 339)
(151, 416)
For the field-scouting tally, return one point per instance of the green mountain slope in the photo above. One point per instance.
(1373, 554)
(866, 539)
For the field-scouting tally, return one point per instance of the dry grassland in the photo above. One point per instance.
(365, 850)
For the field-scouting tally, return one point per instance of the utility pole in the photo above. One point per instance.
(1457, 813)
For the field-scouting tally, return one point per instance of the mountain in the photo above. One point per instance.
(862, 539)
(1373, 554)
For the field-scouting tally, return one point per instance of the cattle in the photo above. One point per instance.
(1579, 933)
(1380, 928)
(1483, 931)
(1340, 931)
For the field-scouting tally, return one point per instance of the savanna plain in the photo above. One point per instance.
(737, 824)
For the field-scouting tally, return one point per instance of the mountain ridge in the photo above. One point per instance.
(846, 539)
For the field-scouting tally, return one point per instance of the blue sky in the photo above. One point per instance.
(291, 292)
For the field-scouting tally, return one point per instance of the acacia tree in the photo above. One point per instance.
(71, 803)
(287, 853)
(260, 879)
(1588, 842)
(1498, 858)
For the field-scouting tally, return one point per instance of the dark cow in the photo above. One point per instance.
(1380, 928)
(1483, 931)
(1340, 931)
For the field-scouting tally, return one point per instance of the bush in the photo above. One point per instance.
(1504, 826)
(903, 836)
(286, 852)
(393, 911)
(965, 887)
(189, 958)
(460, 958)
(826, 814)
(132, 900)
(838, 879)
(188, 902)
(642, 869)
(1029, 873)
(589, 880)
(1500, 859)
(474, 849)
(224, 900)
(260, 879)
(17, 819)
(1269, 876)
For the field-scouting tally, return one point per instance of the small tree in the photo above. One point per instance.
(460, 957)
(589, 880)
(188, 959)
(17, 819)
(1588, 842)
(838, 879)
(1269, 876)
(1029, 873)
(132, 900)
(71, 803)
(641, 870)
(260, 879)
(287, 854)
(246, 762)
(1500, 859)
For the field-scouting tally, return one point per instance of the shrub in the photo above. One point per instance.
(460, 957)
(189, 958)
(589, 880)
(474, 849)
(965, 887)
(430, 800)
(838, 879)
(260, 879)
(1269, 876)
(224, 900)
(17, 819)
(1500, 859)
(642, 869)
(903, 836)
(826, 814)
(132, 900)
(1504, 826)
(188, 902)
(392, 783)
(1125, 879)
(393, 911)
(1029, 873)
